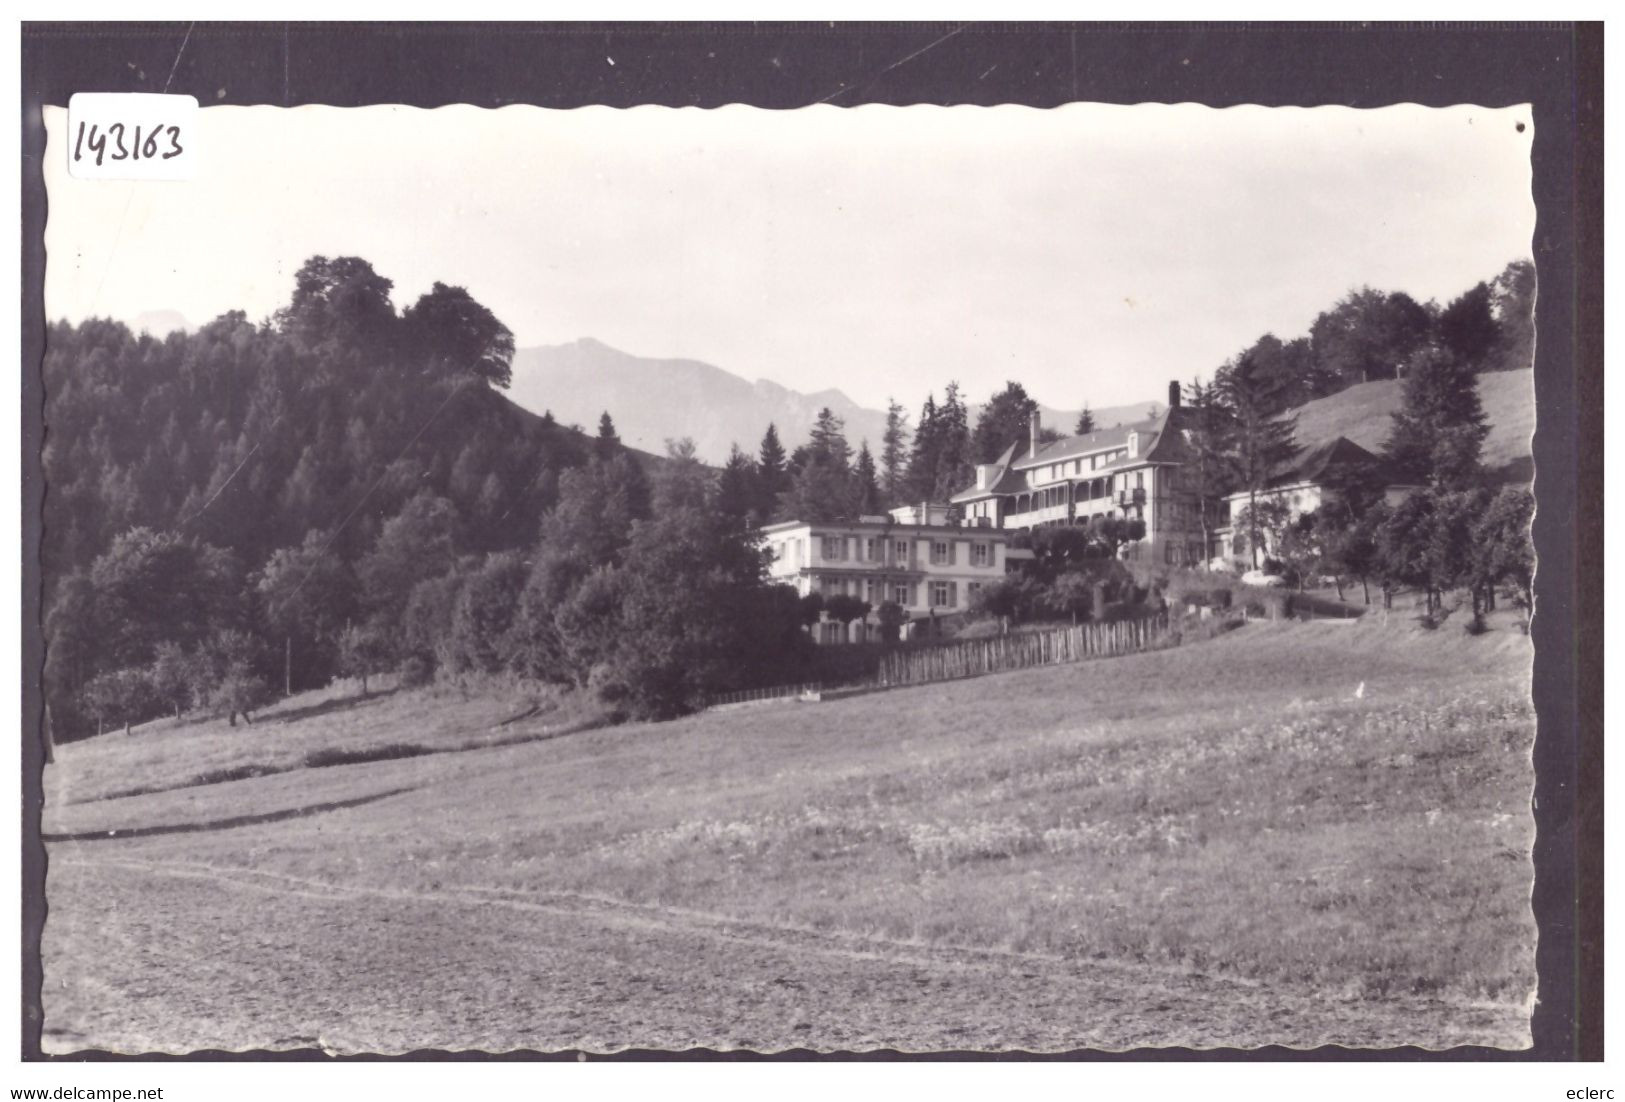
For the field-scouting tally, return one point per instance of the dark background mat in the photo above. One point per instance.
(1555, 67)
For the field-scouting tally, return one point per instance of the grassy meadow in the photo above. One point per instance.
(1295, 833)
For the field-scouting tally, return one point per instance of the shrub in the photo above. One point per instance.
(415, 671)
(1260, 601)
(362, 653)
(240, 692)
(120, 696)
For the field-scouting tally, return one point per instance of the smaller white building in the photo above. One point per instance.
(915, 557)
(1303, 485)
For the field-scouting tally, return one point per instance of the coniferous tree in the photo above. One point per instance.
(736, 498)
(819, 492)
(608, 441)
(954, 465)
(1438, 434)
(1210, 473)
(828, 440)
(865, 483)
(1262, 438)
(770, 473)
(1086, 422)
(922, 463)
(894, 454)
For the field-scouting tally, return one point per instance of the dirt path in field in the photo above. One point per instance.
(170, 955)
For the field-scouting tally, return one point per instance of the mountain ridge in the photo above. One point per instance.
(651, 399)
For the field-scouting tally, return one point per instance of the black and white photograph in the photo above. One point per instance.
(924, 579)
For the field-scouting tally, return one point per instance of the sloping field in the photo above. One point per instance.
(1297, 834)
(1364, 413)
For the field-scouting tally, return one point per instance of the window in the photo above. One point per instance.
(941, 553)
(874, 591)
(834, 547)
(981, 554)
(971, 590)
(942, 594)
(900, 549)
(1139, 479)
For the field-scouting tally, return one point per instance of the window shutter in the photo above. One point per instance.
(953, 594)
(953, 553)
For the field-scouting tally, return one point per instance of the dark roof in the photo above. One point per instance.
(1154, 439)
(1071, 447)
(1005, 480)
(1315, 463)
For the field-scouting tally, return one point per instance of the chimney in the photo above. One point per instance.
(1033, 430)
(1173, 394)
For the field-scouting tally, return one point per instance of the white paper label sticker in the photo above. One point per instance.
(132, 136)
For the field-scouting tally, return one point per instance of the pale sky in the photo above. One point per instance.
(1091, 252)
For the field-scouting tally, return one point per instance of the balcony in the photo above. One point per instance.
(1050, 514)
(1127, 498)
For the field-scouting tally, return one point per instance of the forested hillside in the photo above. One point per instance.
(341, 489)
(333, 455)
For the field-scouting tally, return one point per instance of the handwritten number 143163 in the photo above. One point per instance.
(157, 143)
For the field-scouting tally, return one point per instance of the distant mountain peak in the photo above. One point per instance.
(653, 399)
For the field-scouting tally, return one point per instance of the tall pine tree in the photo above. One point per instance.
(1438, 434)
(608, 442)
(828, 440)
(865, 483)
(922, 462)
(736, 498)
(954, 465)
(1086, 421)
(894, 453)
(1263, 439)
(770, 476)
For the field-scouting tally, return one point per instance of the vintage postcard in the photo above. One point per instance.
(920, 579)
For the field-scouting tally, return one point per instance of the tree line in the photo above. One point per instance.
(1458, 529)
(254, 508)
(1367, 335)
(341, 489)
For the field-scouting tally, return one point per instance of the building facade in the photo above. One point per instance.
(913, 556)
(1311, 480)
(1131, 472)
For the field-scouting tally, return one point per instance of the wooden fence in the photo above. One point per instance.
(774, 692)
(974, 657)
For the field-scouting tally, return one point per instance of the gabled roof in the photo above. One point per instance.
(1073, 447)
(1005, 480)
(1153, 435)
(1314, 463)
(1156, 444)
